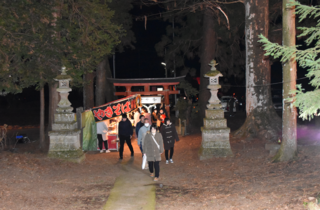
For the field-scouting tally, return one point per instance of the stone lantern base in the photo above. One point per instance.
(65, 138)
(215, 136)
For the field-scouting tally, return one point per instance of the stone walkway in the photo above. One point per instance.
(135, 189)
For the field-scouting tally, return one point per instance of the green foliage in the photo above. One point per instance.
(195, 111)
(307, 102)
(183, 104)
(122, 17)
(87, 33)
(188, 89)
(188, 34)
(27, 46)
(39, 36)
(186, 42)
(182, 107)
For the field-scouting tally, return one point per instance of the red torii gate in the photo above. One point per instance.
(166, 83)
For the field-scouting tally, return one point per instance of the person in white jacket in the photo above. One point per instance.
(142, 133)
(102, 135)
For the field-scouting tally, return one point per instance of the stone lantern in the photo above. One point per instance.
(64, 89)
(213, 74)
(215, 133)
(65, 137)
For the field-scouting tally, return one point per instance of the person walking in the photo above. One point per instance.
(153, 148)
(139, 124)
(102, 135)
(170, 136)
(125, 134)
(142, 133)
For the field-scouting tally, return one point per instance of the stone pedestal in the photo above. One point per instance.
(215, 136)
(215, 133)
(65, 137)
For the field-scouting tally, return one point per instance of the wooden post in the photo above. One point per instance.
(42, 126)
(128, 90)
(79, 111)
(288, 149)
(146, 88)
(166, 99)
(180, 127)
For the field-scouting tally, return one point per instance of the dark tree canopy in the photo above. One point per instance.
(41, 36)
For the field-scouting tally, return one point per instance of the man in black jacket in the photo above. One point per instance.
(125, 134)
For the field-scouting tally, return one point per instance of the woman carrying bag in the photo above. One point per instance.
(153, 148)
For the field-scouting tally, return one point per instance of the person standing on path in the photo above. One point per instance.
(170, 136)
(125, 134)
(102, 135)
(153, 148)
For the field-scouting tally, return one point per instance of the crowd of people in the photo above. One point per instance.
(155, 134)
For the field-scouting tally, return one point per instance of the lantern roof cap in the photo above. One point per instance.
(213, 71)
(63, 75)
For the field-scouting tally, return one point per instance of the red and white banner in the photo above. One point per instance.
(116, 108)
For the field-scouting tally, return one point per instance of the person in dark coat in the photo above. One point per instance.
(169, 135)
(139, 125)
(125, 132)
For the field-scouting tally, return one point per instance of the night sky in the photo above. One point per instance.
(143, 61)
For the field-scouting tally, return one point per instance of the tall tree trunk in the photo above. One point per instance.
(53, 103)
(289, 115)
(262, 121)
(110, 89)
(188, 116)
(42, 127)
(53, 94)
(101, 80)
(208, 49)
(88, 90)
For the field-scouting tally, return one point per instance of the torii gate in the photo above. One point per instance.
(167, 84)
